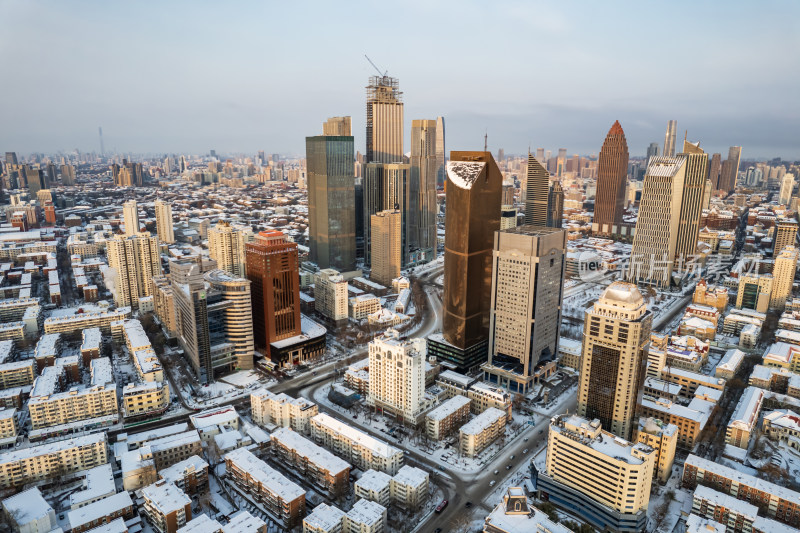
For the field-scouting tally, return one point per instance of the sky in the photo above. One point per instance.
(237, 77)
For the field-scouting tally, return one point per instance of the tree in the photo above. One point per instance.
(550, 510)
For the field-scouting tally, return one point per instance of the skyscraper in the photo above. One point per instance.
(787, 186)
(652, 150)
(386, 189)
(561, 162)
(331, 201)
(691, 201)
(669, 139)
(783, 277)
(384, 120)
(374, 181)
(714, 168)
(730, 169)
(785, 235)
(537, 181)
(273, 270)
(130, 215)
(133, 260)
(164, 226)
(612, 179)
(474, 191)
(525, 312)
(440, 152)
(397, 375)
(555, 205)
(422, 184)
(387, 239)
(237, 313)
(339, 126)
(226, 246)
(656, 236)
(615, 332)
(67, 174)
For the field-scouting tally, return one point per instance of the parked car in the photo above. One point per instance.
(441, 506)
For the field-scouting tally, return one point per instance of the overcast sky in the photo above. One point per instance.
(186, 77)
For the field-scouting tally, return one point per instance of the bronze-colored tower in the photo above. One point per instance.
(474, 192)
(612, 174)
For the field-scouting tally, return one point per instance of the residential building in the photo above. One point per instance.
(226, 246)
(356, 447)
(317, 465)
(237, 313)
(101, 512)
(783, 277)
(189, 475)
(477, 434)
(409, 487)
(744, 419)
(135, 260)
(386, 246)
(324, 519)
(397, 375)
(785, 235)
(374, 486)
(164, 226)
(663, 438)
(365, 517)
(268, 408)
(145, 399)
(447, 417)
(130, 215)
(28, 512)
(330, 293)
(166, 507)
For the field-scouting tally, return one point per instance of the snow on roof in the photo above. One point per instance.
(660, 385)
(173, 441)
(762, 523)
(723, 500)
(376, 446)
(101, 371)
(91, 339)
(731, 360)
(707, 393)
(591, 436)
(243, 522)
(135, 335)
(309, 330)
(785, 419)
(693, 376)
(214, 417)
(410, 476)
(180, 469)
(201, 524)
(270, 478)
(374, 481)
(570, 346)
(699, 524)
(781, 353)
(788, 336)
(535, 521)
(742, 478)
(325, 517)
(115, 526)
(449, 407)
(746, 414)
(464, 173)
(97, 482)
(455, 377)
(698, 410)
(366, 513)
(314, 454)
(27, 506)
(99, 509)
(165, 496)
(52, 447)
(137, 439)
(6, 350)
(483, 421)
(258, 435)
(47, 345)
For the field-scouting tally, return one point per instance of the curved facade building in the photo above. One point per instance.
(238, 314)
(612, 177)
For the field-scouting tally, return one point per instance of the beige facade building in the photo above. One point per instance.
(613, 365)
(26, 465)
(17, 373)
(166, 507)
(338, 126)
(164, 303)
(355, 446)
(785, 235)
(409, 487)
(397, 375)
(384, 120)
(164, 226)
(691, 202)
(386, 246)
(477, 434)
(783, 277)
(238, 315)
(147, 398)
(663, 438)
(324, 519)
(226, 247)
(447, 417)
(330, 295)
(268, 408)
(130, 216)
(363, 305)
(135, 260)
(755, 291)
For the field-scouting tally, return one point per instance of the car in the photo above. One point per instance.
(511, 458)
(441, 506)
(541, 431)
(437, 530)
(355, 416)
(508, 467)
(468, 505)
(526, 439)
(492, 482)
(525, 450)
(496, 472)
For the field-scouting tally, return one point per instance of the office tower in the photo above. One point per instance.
(164, 222)
(67, 174)
(474, 190)
(440, 153)
(656, 236)
(785, 235)
(130, 216)
(373, 181)
(36, 180)
(707, 194)
(525, 313)
(397, 375)
(338, 126)
(612, 178)
(730, 169)
(783, 276)
(167, 166)
(237, 312)
(273, 269)
(386, 189)
(787, 186)
(330, 295)
(691, 201)
(540, 154)
(615, 332)
(226, 246)
(603, 479)
(561, 161)
(386, 246)
(11, 159)
(669, 138)
(182, 164)
(555, 205)
(384, 120)
(52, 175)
(191, 306)
(423, 209)
(652, 150)
(537, 181)
(714, 168)
(754, 291)
(331, 201)
(135, 261)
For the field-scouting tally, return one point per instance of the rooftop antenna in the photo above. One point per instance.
(376, 67)
(486, 141)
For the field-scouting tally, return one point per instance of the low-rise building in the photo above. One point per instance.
(138, 468)
(745, 418)
(146, 399)
(189, 475)
(409, 487)
(516, 515)
(171, 449)
(101, 512)
(570, 352)
(314, 463)
(80, 321)
(358, 448)
(365, 517)
(783, 426)
(324, 519)
(363, 305)
(729, 364)
(28, 512)
(268, 408)
(447, 417)
(166, 507)
(481, 431)
(212, 422)
(663, 438)
(374, 486)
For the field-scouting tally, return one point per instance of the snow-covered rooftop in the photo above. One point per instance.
(449, 407)
(746, 414)
(165, 496)
(89, 513)
(97, 482)
(374, 481)
(410, 476)
(27, 506)
(376, 446)
(483, 421)
(314, 454)
(366, 513)
(325, 517)
(52, 447)
(742, 478)
(463, 174)
(270, 478)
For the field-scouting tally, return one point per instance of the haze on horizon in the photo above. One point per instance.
(187, 77)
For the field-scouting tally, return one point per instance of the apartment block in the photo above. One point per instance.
(358, 448)
(744, 419)
(189, 475)
(324, 519)
(17, 373)
(101, 512)
(144, 399)
(733, 515)
(663, 438)
(397, 375)
(268, 408)
(374, 486)
(166, 507)
(477, 434)
(365, 517)
(314, 463)
(409, 487)
(80, 321)
(8, 426)
(171, 449)
(447, 417)
(331, 295)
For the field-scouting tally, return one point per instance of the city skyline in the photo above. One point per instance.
(183, 95)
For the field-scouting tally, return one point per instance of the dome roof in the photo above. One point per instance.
(624, 293)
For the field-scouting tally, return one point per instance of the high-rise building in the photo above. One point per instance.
(782, 277)
(339, 126)
(561, 162)
(612, 178)
(384, 120)
(691, 201)
(387, 237)
(134, 260)
(67, 175)
(423, 208)
(397, 375)
(331, 295)
(525, 312)
(730, 169)
(386, 189)
(273, 270)
(669, 138)
(237, 312)
(754, 291)
(714, 168)
(787, 186)
(652, 150)
(604, 479)
(474, 192)
(226, 246)
(130, 216)
(11, 158)
(440, 152)
(656, 236)
(36, 180)
(537, 182)
(331, 201)
(555, 205)
(785, 235)
(164, 222)
(613, 361)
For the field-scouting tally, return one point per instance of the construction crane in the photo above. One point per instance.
(376, 67)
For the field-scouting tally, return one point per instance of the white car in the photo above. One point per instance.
(491, 483)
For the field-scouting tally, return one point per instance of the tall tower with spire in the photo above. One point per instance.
(612, 177)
